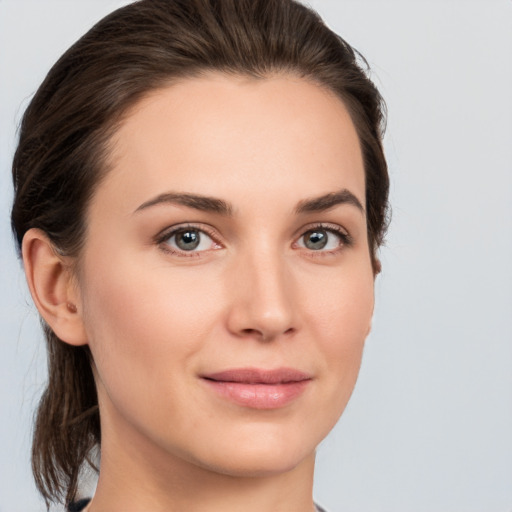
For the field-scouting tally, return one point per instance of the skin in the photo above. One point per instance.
(252, 295)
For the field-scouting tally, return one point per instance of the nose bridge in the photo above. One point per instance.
(263, 302)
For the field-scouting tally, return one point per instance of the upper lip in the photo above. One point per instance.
(259, 376)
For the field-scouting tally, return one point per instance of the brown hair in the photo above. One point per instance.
(63, 145)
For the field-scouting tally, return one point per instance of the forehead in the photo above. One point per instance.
(218, 135)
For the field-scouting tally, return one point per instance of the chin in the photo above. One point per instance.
(262, 454)
(258, 465)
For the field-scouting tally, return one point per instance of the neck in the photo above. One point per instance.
(136, 476)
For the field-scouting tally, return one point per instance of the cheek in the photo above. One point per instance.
(342, 308)
(341, 318)
(142, 322)
(131, 297)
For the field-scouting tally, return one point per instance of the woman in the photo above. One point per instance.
(200, 193)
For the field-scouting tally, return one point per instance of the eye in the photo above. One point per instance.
(187, 239)
(324, 239)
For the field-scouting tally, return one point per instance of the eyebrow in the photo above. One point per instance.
(221, 207)
(328, 201)
(198, 202)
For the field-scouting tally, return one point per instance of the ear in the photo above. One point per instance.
(377, 267)
(53, 287)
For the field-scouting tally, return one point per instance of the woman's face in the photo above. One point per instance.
(226, 285)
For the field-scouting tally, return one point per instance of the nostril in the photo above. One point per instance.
(255, 332)
(264, 335)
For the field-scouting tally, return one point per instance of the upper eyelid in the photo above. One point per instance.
(328, 226)
(211, 231)
(171, 230)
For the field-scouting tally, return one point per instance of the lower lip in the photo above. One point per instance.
(259, 396)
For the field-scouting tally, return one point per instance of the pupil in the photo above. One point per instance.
(316, 240)
(187, 240)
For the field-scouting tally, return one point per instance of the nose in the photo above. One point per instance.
(262, 298)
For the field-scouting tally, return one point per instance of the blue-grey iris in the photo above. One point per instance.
(315, 239)
(187, 240)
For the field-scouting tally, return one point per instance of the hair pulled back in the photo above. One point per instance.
(64, 145)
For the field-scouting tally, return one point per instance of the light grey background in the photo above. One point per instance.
(429, 427)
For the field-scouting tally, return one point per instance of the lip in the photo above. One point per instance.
(258, 388)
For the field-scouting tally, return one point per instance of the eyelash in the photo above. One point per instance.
(162, 238)
(346, 240)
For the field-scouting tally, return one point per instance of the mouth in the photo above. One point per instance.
(259, 388)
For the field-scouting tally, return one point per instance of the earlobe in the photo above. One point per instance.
(370, 322)
(377, 267)
(369, 330)
(52, 287)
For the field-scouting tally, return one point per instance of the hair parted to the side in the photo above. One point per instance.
(64, 141)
